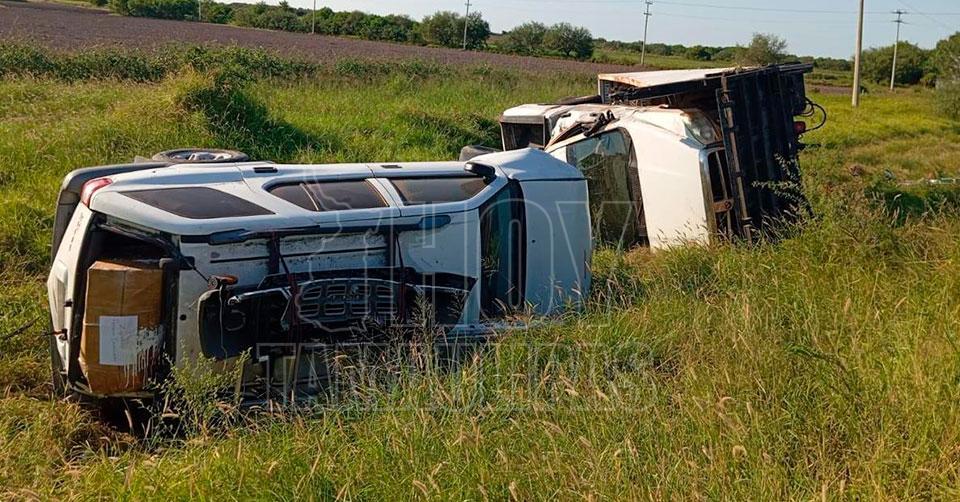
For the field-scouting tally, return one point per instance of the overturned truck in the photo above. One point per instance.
(680, 155)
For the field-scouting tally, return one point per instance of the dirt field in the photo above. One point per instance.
(67, 27)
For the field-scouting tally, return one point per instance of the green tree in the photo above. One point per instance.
(163, 9)
(698, 53)
(912, 62)
(568, 40)
(727, 54)
(946, 64)
(446, 28)
(267, 17)
(946, 59)
(216, 12)
(119, 6)
(764, 49)
(525, 39)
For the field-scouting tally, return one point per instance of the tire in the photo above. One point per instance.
(470, 151)
(201, 156)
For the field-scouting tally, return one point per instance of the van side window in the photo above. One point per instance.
(323, 196)
(502, 252)
(197, 203)
(609, 163)
(416, 191)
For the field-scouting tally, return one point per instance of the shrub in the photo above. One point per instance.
(833, 64)
(262, 16)
(17, 59)
(445, 28)
(162, 9)
(119, 6)
(698, 53)
(912, 62)
(568, 40)
(215, 12)
(764, 49)
(948, 96)
(525, 39)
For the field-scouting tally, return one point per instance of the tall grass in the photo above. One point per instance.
(823, 366)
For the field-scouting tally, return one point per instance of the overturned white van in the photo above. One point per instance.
(229, 257)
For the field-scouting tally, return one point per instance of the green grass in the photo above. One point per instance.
(826, 365)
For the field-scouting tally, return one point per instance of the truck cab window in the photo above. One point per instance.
(609, 163)
(502, 252)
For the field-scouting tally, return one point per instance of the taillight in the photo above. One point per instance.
(90, 187)
(799, 127)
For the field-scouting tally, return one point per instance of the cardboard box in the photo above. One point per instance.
(122, 333)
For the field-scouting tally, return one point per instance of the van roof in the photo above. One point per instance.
(238, 195)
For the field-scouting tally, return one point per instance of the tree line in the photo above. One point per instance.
(915, 65)
(443, 28)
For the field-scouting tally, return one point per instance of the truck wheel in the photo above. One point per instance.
(200, 156)
(470, 151)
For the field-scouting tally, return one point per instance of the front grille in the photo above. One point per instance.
(343, 300)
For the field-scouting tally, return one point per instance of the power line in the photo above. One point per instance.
(929, 15)
(730, 7)
(758, 9)
(778, 9)
(755, 20)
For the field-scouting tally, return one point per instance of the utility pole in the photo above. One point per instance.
(466, 23)
(893, 70)
(200, 11)
(313, 19)
(856, 59)
(646, 23)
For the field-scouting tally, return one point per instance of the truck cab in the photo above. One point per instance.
(685, 156)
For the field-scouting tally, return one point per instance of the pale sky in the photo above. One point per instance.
(810, 27)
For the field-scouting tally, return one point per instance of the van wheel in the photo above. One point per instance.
(201, 156)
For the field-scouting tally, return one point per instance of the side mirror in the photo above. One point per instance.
(487, 172)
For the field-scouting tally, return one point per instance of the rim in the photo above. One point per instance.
(201, 155)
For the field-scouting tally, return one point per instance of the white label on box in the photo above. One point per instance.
(118, 340)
